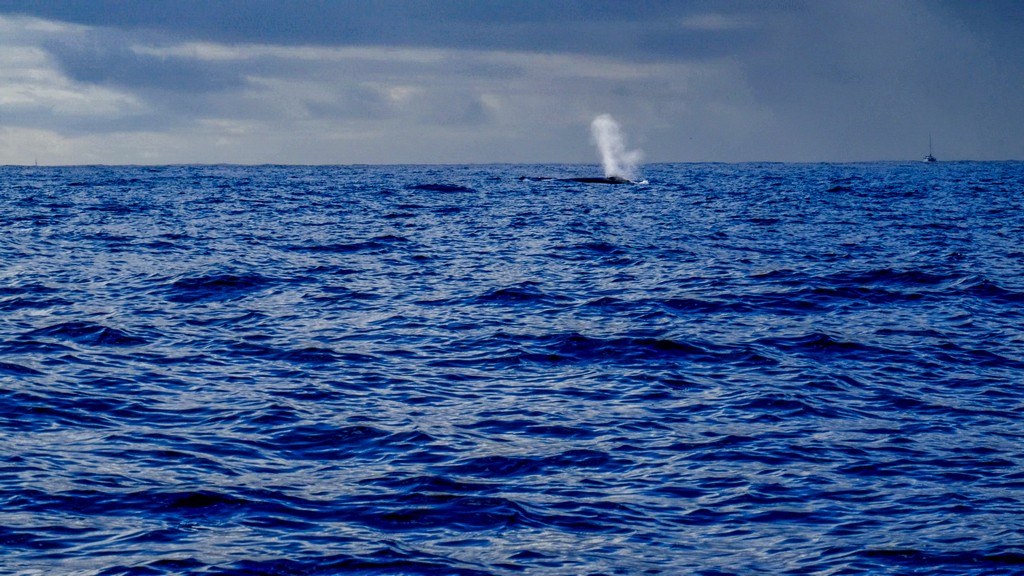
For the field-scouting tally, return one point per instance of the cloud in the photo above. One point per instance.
(32, 87)
(871, 80)
(596, 27)
(417, 104)
(465, 81)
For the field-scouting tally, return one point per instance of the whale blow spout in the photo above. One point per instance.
(617, 161)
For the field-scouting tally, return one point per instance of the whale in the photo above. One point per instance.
(585, 180)
(608, 180)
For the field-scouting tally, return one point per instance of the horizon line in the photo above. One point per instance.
(383, 164)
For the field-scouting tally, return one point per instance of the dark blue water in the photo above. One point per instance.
(734, 369)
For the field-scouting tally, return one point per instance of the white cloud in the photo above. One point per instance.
(18, 29)
(330, 104)
(29, 145)
(214, 52)
(795, 82)
(30, 81)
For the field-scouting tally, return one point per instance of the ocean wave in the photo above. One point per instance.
(425, 370)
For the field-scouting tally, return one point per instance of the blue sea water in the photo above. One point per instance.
(731, 369)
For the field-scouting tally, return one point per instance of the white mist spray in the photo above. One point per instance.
(616, 160)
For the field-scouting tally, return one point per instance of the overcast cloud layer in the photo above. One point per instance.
(335, 82)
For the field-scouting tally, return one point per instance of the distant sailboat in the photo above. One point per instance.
(929, 157)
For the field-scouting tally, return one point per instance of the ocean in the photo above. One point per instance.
(728, 369)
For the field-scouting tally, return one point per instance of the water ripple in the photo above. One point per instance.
(753, 369)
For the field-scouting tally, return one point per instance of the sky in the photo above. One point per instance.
(482, 81)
